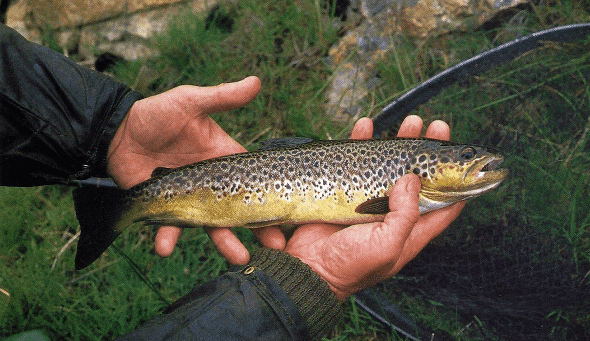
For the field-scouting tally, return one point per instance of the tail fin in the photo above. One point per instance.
(98, 210)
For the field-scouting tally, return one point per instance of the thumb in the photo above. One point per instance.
(403, 201)
(226, 96)
(404, 213)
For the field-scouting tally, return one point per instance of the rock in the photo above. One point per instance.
(355, 56)
(89, 27)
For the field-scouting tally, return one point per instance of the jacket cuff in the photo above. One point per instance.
(310, 293)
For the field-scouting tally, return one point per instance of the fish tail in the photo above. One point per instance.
(98, 211)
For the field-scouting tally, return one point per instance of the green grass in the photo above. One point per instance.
(535, 110)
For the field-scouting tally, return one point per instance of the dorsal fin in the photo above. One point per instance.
(283, 142)
(159, 171)
(378, 205)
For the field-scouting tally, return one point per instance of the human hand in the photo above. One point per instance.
(353, 258)
(173, 129)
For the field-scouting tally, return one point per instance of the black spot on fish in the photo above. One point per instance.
(432, 157)
(416, 170)
(422, 158)
(424, 175)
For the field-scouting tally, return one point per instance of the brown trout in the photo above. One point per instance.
(343, 182)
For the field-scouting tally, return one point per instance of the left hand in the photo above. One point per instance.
(173, 129)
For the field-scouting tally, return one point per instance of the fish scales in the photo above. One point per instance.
(343, 181)
(316, 181)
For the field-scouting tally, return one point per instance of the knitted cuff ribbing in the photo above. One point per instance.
(312, 295)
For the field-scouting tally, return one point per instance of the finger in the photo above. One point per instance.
(226, 96)
(411, 127)
(363, 129)
(229, 246)
(271, 237)
(166, 239)
(438, 130)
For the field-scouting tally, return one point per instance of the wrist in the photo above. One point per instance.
(311, 294)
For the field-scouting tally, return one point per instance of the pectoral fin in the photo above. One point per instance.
(378, 205)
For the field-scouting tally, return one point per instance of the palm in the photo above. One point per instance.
(171, 130)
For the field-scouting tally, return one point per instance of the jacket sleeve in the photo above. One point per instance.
(57, 118)
(275, 297)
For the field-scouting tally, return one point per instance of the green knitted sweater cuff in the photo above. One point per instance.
(311, 294)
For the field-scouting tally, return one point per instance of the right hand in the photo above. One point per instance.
(353, 258)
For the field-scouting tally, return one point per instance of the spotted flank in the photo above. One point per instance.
(295, 181)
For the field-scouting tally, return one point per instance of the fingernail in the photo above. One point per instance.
(413, 185)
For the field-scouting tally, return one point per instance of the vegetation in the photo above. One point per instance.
(517, 257)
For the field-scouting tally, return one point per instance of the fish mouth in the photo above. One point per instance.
(492, 164)
(488, 170)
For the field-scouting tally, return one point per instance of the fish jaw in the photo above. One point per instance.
(479, 178)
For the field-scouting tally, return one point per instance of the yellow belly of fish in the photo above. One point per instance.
(202, 208)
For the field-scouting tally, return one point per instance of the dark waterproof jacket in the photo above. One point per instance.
(57, 120)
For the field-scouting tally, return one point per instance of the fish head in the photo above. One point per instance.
(454, 172)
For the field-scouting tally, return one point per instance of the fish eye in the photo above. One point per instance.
(468, 153)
